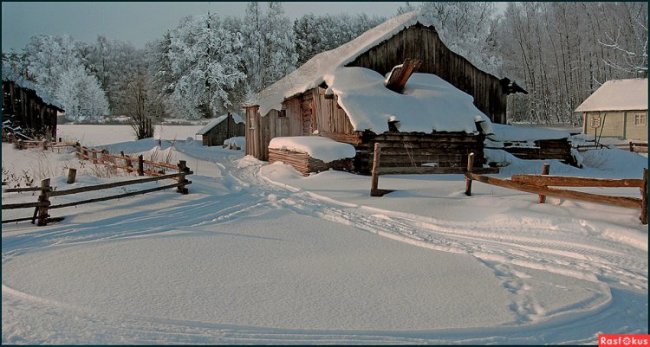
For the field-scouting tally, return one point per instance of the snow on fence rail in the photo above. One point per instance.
(43, 205)
(539, 184)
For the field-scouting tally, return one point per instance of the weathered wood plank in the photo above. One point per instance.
(111, 185)
(400, 75)
(568, 181)
(567, 194)
(21, 205)
(120, 195)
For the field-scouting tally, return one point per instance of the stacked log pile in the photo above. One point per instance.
(305, 164)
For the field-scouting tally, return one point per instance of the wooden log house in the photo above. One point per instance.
(303, 103)
(23, 107)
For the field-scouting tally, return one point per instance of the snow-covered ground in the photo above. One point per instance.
(257, 253)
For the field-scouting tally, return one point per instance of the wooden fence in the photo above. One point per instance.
(43, 144)
(128, 163)
(43, 204)
(540, 184)
(637, 147)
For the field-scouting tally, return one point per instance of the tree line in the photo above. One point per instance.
(209, 64)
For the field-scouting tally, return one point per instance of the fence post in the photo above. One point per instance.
(631, 146)
(72, 175)
(45, 202)
(140, 165)
(94, 156)
(129, 164)
(182, 170)
(644, 198)
(44, 144)
(546, 169)
(468, 180)
(374, 191)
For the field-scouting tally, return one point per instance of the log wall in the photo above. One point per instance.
(26, 109)
(441, 150)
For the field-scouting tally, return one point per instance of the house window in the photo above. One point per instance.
(595, 121)
(640, 119)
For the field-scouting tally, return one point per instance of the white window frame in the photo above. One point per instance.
(640, 119)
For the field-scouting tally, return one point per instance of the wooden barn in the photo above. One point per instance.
(22, 108)
(315, 100)
(619, 108)
(221, 129)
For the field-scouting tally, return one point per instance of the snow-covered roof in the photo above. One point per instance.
(218, 120)
(428, 103)
(618, 95)
(311, 74)
(317, 147)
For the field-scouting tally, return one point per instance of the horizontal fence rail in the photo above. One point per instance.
(540, 184)
(43, 205)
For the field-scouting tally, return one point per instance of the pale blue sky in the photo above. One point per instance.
(140, 22)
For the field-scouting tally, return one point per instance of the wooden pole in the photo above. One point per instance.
(94, 156)
(44, 144)
(182, 171)
(644, 198)
(546, 169)
(374, 191)
(631, 146)
(468, 180)
(72, 175)
(140, 165)
(45, 202)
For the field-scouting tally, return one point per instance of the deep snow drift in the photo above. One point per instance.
(257, 253)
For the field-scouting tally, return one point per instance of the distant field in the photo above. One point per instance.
(97, 135)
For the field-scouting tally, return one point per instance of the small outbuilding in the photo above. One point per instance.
(619, 108)
(27, 110)
(222, 128)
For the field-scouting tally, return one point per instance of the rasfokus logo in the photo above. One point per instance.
(616, 340)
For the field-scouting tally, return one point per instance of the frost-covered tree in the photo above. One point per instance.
(564, 51)
(629, 39)
(205, 57)
(81, 95)
(280, 56)
(467, 29)
(15, 65)
(47, 57)
(113, 62)
(254, 44)
(316, 34)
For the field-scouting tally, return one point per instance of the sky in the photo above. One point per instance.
(140, 22)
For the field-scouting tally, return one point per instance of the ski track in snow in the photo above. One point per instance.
(507, 252)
